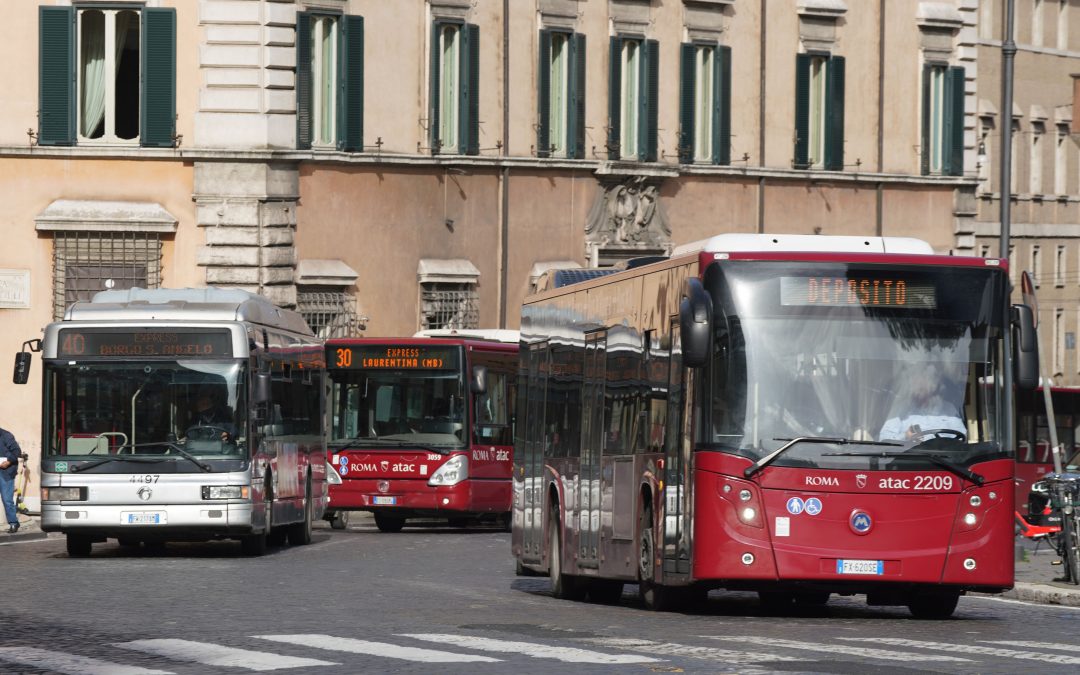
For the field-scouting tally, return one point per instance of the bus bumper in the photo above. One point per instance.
(195, 521)
(417, 498)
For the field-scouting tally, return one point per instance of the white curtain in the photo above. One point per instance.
(93, 75)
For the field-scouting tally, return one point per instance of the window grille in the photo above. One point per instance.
(87, 262)
(449, 305)
(330, 314)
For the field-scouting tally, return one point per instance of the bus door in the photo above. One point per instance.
(675, 513)
(592, 440)
(533, 461)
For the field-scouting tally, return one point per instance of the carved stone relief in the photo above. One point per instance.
(627, 220)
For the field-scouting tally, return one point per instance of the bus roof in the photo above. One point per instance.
(493, 334)
(737, 242)
(186, 304)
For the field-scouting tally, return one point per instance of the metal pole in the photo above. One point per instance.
(1008, 53)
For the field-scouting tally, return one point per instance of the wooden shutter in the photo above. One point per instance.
(651, 100)
(56, 75)
(575, 116)
(543, 96)
(350, 112)
(953, 138)
(469, 112)
(434, 69)
(722, 106)
(802, 111)
(158, 58)
(834, 114)
(614, 98)
(303, 81)
(926, 150)
(687, 68)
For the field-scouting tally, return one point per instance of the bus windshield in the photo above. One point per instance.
(425, 408)
(900, 364)
(115, 408)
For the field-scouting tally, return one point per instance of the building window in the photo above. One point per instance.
(1036, 266)
(1061, 161)
(329, 81)
(560, 131)
(1037, 23)
(985, 158)
(1012, 264)
(1059, 341)
(1062, 24)
(455, 88)
(1038, 130)
(819, 112)
(107, 75)
(87, 262)
(330, 314)
(984, 251)
(705, 104)
(1014, 179)
(1059, 266)
(943, 120)
(632, 99)
(449, 305)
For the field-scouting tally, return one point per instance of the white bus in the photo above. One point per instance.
(181, 414)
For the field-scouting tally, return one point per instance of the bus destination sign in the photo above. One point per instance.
(394, 357)
(143, 343)
(864, 291)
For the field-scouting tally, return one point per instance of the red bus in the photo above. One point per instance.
(1033, 452)
(422, 427)
(793, 415)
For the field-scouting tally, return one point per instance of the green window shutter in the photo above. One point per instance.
(157, 108)
(434, 68)
(953, 137)
(576, 114)
(651, 67)
(924, 159)
(469, 113)
(543, 96)
(303, 81)
(802, 111)
(722, 106)
(56, 75)
(687, 66)
(834, 114)
(351, 85)
(614, 98)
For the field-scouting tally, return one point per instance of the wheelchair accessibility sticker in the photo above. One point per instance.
(813, 506)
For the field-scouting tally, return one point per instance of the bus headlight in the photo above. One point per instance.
(332, 476)
(455, 470)
(226, 492)
(63, 494)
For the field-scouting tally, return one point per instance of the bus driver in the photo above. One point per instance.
(926, 405)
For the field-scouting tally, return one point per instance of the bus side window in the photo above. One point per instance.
(493, 412)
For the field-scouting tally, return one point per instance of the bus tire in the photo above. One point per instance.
(563, 586)
(388, 523)
(78, 546)
(300, 533)
(655, 597)
(339, 520)
(934, 606)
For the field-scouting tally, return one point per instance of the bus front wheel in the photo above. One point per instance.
(388, 523)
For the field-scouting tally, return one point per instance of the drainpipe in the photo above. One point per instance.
(761, 117)
(504, 218)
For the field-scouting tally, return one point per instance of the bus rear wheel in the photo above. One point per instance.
(388, 523)
(934, 606)
(78, 545)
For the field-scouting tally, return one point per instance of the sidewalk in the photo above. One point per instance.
(29, 528)
(1035, 578)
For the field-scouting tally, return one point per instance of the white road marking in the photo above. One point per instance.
(385, 649)
(865, 652)
(1034, 645)
(1026, 603)
(972, 649)
(692, 651)
(217, 655)
(71, 664)
(566, 654)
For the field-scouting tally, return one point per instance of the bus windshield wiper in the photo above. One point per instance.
(364, 441)
(971, 476)
(159, 458)
(791, 442)
(187, 455)
(116, 458)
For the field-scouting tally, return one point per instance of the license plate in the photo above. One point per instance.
(384, 501)
(143, 518)
(860, 567)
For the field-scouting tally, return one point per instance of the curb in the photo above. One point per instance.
(1044, 594)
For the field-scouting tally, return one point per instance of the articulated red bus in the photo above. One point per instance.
(422, 427)
(1034, 458)
(793, 415)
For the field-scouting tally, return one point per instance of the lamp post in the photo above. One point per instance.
(1008, 55)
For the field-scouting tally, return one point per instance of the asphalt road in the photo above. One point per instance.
(439, 600)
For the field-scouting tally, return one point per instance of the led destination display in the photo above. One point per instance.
(107, 342)
(394, 357)
(865, 291)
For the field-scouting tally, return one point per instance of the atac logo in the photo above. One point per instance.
(860, 522)
(860, 480)
(385, 465)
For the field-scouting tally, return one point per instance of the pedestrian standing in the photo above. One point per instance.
(9, 466)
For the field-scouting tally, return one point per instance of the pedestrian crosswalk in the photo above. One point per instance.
(316, 652)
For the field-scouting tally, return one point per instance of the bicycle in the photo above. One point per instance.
(1064, 489)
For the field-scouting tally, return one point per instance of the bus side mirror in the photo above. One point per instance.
(478, 384)
(22, 367)
(695, 323)
(1025, 348)
(262, 388)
